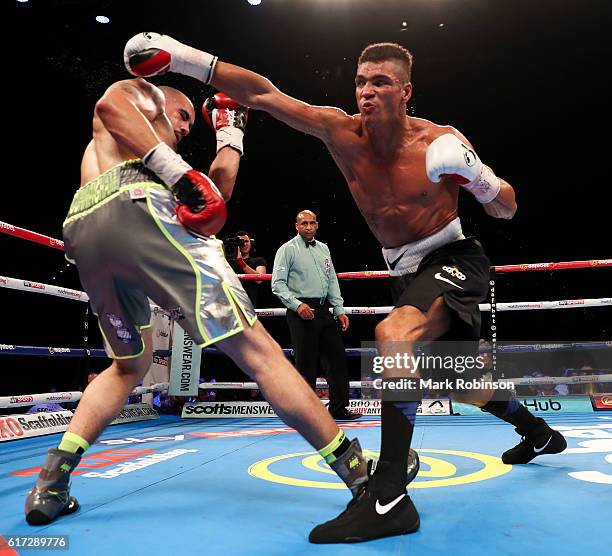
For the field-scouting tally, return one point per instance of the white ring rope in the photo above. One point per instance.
(64, 397)
(25, 400)
(586, 379)
(33, 399)
(67, 293)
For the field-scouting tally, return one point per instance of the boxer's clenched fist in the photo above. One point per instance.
(148, 54)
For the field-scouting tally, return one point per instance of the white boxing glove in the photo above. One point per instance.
(448, 157)
(148, 54)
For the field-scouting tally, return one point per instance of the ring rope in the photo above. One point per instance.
(565, 265)
(64, 397)
(67, 293)
(68, 397)
(322, 384)
(28, 235)
(10, 349)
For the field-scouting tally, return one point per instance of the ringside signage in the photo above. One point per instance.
(136, 412)
(212, 410)
(426, 407)
(539, 404)
(602, 402)
(224, 410)
(27, 425)
(184, 365)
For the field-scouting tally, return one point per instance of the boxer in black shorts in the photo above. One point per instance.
(405, 175)
(458, 271)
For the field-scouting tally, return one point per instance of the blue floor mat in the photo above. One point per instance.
(252, 486)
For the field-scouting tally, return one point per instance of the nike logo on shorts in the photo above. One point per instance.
(537, 450)
(439, 276)
(393, 264)
(382, 509)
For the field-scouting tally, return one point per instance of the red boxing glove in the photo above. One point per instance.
(228, 119)
(201, 207)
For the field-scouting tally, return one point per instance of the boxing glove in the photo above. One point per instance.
(148, 54)
(228, 119)
(448, 157)
(200, 205)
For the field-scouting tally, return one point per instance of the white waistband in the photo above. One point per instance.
(406, 258)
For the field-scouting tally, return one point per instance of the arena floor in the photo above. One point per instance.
(245, 486)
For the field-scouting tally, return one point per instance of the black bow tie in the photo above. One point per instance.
(310, 243)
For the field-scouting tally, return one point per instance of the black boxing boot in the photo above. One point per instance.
(382, 508)
(538, 441)
(50, 497)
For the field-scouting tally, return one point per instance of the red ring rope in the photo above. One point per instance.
(566, 265)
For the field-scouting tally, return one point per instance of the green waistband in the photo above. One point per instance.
(108, 184)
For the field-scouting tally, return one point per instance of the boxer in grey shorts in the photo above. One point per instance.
(155, 257)
(142, 227)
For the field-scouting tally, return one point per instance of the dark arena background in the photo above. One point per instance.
(526, 82)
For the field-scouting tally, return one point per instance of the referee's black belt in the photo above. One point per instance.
(321, 302)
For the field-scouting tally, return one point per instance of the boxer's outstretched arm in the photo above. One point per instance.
(255, 91)
(147, 54)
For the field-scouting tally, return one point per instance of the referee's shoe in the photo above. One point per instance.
(345, 415)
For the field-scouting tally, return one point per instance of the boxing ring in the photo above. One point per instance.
(213, 485)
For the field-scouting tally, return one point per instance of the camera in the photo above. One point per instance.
(231, 245)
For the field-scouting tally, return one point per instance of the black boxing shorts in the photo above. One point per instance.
(457, 271)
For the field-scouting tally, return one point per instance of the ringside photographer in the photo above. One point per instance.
(239, 250)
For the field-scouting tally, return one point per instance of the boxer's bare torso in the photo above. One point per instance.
(393, 193)
(105, 151)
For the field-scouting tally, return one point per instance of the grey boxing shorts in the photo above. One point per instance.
(128, 246)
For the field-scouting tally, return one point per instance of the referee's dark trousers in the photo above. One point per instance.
(318, 337)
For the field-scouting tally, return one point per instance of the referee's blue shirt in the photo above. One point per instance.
(305, 271)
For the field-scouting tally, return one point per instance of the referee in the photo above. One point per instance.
(305, 281)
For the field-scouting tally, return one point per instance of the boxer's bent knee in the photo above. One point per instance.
(403, 324)
(137, 366)
(410, 324)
